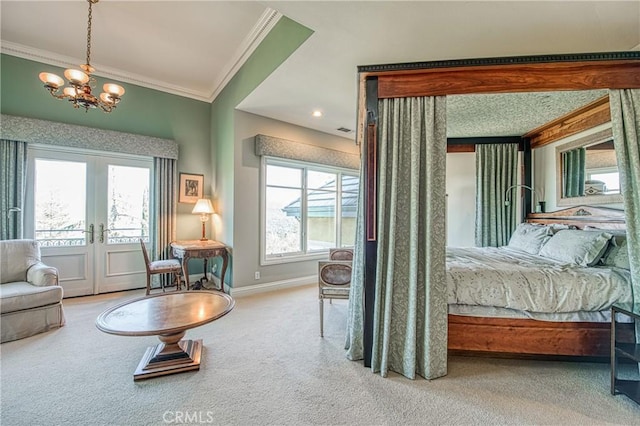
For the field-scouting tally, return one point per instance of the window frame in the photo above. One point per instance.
(305, 254)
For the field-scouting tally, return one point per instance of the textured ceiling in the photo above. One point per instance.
(511, 114)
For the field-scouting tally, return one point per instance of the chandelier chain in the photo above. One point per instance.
(89, 33)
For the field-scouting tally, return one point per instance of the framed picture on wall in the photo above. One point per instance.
(191, 188)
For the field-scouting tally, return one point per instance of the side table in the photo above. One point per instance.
(185, 250)
(624, 350)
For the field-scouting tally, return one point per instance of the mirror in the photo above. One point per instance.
(587, 171)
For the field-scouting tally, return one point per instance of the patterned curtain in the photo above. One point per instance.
(496, 172)
(165, 193)
(13, 161)
(410, 311)
(625, 118)
(355, 318)
(573, 172)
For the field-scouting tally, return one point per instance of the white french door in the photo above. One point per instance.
(88, 212)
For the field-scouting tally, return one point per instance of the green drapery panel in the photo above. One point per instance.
(410, 311)
(496, 172)
(355, 318)
(13, 160)
(573, 172)
(625, 120)
(165, 198)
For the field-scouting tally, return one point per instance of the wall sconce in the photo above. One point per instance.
(535, 194)
(204, 208)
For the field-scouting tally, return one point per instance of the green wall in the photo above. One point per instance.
(142, 111)
(277, 46)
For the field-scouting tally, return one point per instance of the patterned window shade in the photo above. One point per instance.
(291, 150)
(31, 130)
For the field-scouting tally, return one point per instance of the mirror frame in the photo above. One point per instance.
(601, 136)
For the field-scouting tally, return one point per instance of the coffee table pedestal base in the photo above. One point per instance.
(169, 357)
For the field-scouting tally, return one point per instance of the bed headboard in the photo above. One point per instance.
(581, 216)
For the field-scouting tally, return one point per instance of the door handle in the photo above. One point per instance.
(91, 233)
(102, 230)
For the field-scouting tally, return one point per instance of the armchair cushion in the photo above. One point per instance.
(22, 295)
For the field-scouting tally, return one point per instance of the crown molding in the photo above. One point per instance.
(265, 24)
(263, 27)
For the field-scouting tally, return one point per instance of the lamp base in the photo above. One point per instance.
(204, 238)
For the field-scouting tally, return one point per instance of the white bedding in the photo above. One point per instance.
(503, 277)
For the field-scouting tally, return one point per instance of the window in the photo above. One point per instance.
(609, 177)
(306, 209)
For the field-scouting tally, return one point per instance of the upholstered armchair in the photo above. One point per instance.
(30, 297)
(334, 278)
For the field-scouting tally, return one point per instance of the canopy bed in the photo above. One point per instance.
(400, 323)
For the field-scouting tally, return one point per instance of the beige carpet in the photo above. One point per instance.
(265, 364)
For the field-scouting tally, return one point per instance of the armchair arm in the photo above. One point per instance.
(42, 275)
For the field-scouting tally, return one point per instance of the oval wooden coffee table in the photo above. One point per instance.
(169, 316)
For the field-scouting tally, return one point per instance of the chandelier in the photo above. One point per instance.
(80, 83)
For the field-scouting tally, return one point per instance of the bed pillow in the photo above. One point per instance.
(583, 248)
(618, 253)
(529, 237)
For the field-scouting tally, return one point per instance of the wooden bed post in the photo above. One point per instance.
(371, 213)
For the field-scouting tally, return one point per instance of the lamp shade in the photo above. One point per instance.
(51, 80)
(203, 206)
(76, 76)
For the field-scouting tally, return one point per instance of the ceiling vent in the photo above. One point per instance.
(344, 129)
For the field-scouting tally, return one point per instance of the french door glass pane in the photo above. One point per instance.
(128, 204)
(321, 219)
(60, 202)
(283, 222)
(349, 209)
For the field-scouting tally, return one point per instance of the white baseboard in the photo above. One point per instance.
(271, 286)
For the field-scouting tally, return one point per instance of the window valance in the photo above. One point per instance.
(32, 130)
(283, 148)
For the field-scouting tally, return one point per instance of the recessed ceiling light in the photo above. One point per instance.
(317, 113)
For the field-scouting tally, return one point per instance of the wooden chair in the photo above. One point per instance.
(168, 266)
(334, 279)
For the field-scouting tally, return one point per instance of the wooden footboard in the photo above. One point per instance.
(531, 337)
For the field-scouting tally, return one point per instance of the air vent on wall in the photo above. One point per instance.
(344, 129)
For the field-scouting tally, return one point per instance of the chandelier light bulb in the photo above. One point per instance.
(114, 90)
(51, 80)
(106, 98)
(70, 91)
(76, 76)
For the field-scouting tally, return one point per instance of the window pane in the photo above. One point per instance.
(283, 221)
(284, 176)
(60, 202)
(321, 217)
(349, 209)
(128, 204)
(321, 180)
(611, 181)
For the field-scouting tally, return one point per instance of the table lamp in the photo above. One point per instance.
(204, 208)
